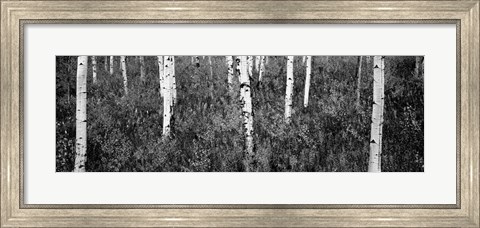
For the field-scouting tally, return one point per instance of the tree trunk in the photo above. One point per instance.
(168, 95)
(94, 69)
(142, 68)
(307, 80)
(111, 65)
(262, 68)
(289, 90)
(173, 81)
(417, 66)
(374, 164)
(210, 64)
(161, 75)
(124, 74)
(250, 65)
(229, 73)
(246, 103)
(105, 63)
(257, 63)
(359, 81)
(304, 58)
(81, 115)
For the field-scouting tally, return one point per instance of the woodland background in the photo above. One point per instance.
(330, 135)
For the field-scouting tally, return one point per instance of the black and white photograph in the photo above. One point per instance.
(240, 113)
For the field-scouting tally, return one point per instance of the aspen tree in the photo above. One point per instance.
(257, 63)
(308, 75)
(173, 82)
(262, 68)
(304, 59)
(167, 95)
(374, 163)
(417, 66)
(246, 103)
(238, 68)
(81, 115)
(250, 65)
(111, 65)
(105, 63)
(229, 73)
(123, 62)
(94, 69)
(161, 75)
(142, 68)
(210, 66)
(359, 80)
(289, 90)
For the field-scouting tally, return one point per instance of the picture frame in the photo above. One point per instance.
(14, 14)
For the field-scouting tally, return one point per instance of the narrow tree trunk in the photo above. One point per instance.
(257, 63)
(81, 115)
(250, 65)
(374, 164)
(307, 80)
(161, 75)
(124, 74)
(246, 103)
(359, 81)
(262, 69)
(173, 81)
(167, 96)
(266, 59)
(417, 66)
(111, 65)
(105, 63)
(289, 90)
(142, 68)
(229, 73)
(94, 69)
(210, 66)
(304, 58)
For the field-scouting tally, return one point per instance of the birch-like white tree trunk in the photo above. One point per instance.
(111, 65)
(374, 163)
(142, 68)
(246, 103)
(238, 69)
(308, 75)
(257, 63)
(81, 115)
(359, 81)
(250, 65)
(161, 75)
(229, 73)
(289, 90)
(105, 64)
(304, 58)
(94, 69)
(123, 62)
(262, 68)
(173, 81)
(168, 95)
